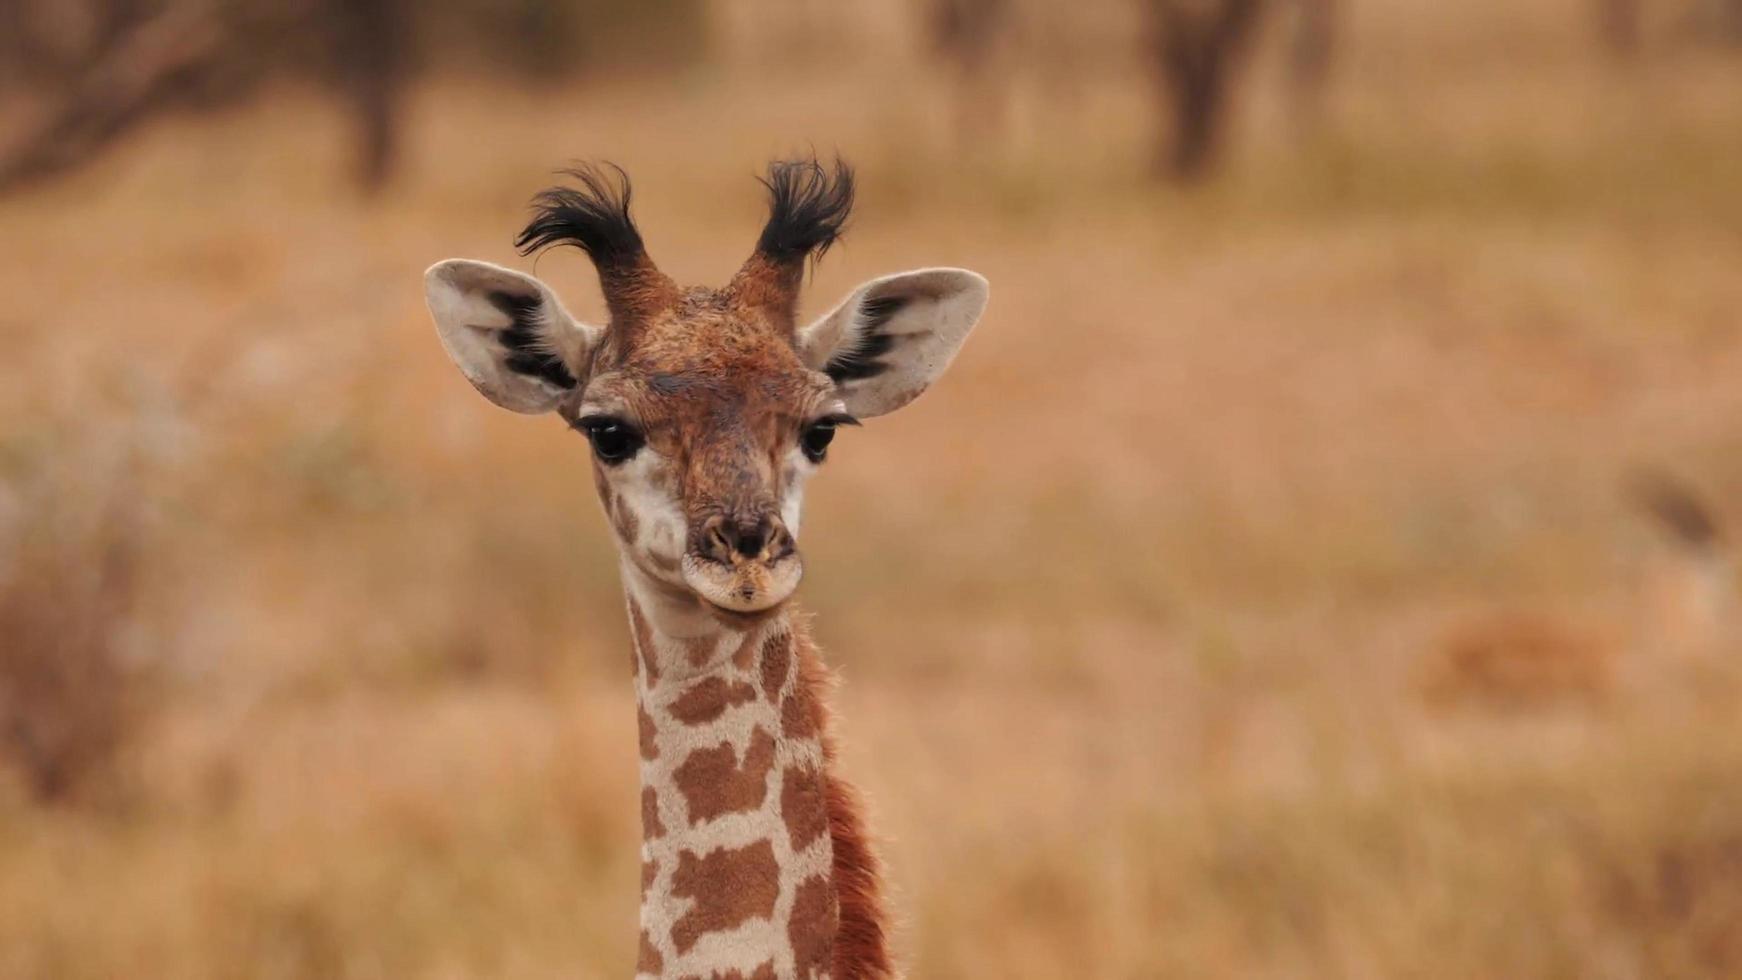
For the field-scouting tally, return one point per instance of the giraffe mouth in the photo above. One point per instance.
(747, 589)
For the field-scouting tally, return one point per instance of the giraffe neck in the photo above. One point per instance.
(754, 860)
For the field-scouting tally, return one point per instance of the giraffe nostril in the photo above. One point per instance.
(732, 540)
(750, 536)
(718, 541)
(780, 544)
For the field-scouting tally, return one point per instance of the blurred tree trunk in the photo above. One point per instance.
(1618, 27)
(144, 69)
(966, 34)
(1717, 20)
(1196, 48)
(1311, 51)
(54, 41)
(369, 48)
(135, 66)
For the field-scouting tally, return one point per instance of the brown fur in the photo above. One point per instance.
(637, 293)
(804, 805)
(745, 657)
(815, 917)
(776, 661)
(730, 887)
(672, 375)
(649, 960)
(862, 940)
(700, 650)
(709, 698)
(714, 784)
(650, 825)
(770, 286)
(799, 716)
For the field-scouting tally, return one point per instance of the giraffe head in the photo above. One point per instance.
(706, 409)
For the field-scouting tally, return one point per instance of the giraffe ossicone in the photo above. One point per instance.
(706, 410)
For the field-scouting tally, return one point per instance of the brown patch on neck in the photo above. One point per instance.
(745, 656)
(730, 887)
(776, 661)
(651, 828)
(800, 714)
(812, 927)
(700, 649)
(803, 805)
(649, 960)
(861, 947)
(714, 784)
(709, 698)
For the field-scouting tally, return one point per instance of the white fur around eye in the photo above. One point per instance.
(640, 484)
(798, 471)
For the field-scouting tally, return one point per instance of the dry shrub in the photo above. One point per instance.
(67, 695)
(1685, 902)
(1671, 862)
(1678, 605)
(1521, 659)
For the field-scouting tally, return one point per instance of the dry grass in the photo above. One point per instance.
(1132, 609)
(70, 700)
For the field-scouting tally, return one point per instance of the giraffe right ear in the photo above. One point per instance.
(894, 336)
(508, 334)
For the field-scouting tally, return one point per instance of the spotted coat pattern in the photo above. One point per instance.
(738, 873)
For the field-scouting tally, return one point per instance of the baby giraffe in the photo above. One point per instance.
(707, 410)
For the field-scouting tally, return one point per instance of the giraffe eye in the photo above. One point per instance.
(613, 439)
(814, 442)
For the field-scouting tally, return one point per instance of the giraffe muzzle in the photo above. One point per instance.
(743, 565)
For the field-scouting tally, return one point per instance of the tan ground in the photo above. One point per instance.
(1134, 609)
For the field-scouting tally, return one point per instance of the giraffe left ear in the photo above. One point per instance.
(508, 334)
(894, 336)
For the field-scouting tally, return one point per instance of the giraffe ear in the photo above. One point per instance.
(508, 334)
(892, 337)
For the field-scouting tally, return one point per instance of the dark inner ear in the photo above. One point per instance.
(858, 359)
(527, 352)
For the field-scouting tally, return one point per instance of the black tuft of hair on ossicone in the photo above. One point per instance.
(808, 208)
(593, 216)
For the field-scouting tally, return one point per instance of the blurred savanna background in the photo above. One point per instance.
(1316, 565)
